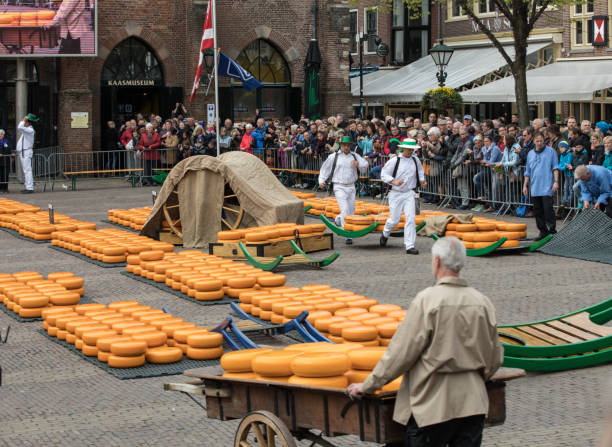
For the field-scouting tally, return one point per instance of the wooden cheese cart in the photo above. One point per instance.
(276, 413)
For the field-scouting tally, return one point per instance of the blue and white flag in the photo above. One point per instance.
(230, 69)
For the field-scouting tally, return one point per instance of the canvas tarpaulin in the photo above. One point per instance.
(200, 184)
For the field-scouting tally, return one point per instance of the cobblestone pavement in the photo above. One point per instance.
(51, 397)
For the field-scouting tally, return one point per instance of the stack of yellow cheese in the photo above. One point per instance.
(35, 225)
(269, 233)
(133, 218)
(28, 294)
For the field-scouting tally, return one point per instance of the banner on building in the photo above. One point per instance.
(600, 31)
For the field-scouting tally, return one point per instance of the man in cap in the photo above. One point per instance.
(25, 150)
(403, 173)
(342, 169)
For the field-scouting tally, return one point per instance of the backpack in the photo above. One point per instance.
(331, 176)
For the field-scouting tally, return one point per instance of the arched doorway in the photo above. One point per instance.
(133, 82)
(276, 99)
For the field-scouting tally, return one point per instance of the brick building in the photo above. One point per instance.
(147, 55)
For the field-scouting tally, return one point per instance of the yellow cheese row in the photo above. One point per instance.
(35, 225)
(126, 334)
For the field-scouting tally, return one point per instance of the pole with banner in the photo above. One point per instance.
(216, 72)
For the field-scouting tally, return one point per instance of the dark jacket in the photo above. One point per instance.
(110, 139)
(526, 147)
(598, 155)
(5, 150)
(580, 158)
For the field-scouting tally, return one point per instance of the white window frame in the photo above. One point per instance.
(583, 17)
(355, 36)
(449, 13)
(365, 25)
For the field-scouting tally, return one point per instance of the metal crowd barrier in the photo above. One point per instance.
(501, 190)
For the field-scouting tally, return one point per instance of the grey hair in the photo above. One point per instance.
(2, 132)
(434, 130)
(248, 126)
(451, 253)
(581, 172)
(149, 126)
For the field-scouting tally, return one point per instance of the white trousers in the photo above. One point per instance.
(25, 157)
(345, 195)
(402, 202)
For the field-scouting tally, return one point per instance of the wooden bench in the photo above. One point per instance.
(74, 175)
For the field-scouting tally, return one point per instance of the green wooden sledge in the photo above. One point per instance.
(300, 257)
(359, 233)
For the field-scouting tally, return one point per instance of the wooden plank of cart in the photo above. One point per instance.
(277, 413)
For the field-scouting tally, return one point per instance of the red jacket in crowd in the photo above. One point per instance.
(148, 143)
(126, 136)
(245, 144)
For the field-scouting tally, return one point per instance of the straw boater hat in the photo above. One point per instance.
(408, 143)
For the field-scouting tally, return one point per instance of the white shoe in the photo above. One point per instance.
(305, 185)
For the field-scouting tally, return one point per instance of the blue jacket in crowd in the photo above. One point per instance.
(258, 136)
(492, 154)
(608, 161)
(599, 187)
(565, 159)
(510, 159)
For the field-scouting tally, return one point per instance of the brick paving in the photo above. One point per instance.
(51, 397)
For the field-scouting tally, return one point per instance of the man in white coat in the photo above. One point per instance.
(404, 173)
(25, 150)
(342, 169)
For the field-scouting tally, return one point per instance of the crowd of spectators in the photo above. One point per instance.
(463, 158)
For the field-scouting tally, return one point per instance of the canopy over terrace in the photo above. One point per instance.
(565, 80)
(410, 83)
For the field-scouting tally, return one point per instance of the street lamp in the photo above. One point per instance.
(361, 38)
(441, 54)
(209, 64)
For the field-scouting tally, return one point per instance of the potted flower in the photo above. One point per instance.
(442, 98)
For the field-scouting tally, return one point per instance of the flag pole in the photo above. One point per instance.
(214, 20)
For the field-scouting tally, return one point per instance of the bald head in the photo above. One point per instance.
(583, 173)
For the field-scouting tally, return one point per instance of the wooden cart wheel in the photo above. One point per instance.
(263, 429)
(231, 212)
(172, 213)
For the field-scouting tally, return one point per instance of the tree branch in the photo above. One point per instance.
(535, 15)
(503, 8)
(487, 32)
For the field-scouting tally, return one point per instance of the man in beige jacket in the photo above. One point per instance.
(446, 348)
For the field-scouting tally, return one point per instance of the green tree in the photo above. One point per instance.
(522, 15)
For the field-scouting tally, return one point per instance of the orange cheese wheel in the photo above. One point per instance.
(71, 338)
(164, 354)
(275, 363)
(114, 251)
(181, 335)
(356, 376)
(103, 356)
(274, 280)
(313, 287)
(243, 376)
(205, 340)
(153, 338)
(397, 314)
(116, 361)
(510, 235)
(65, 299)
(370, 343)
(204, 353)
(113, 259)
(231, 235)
(57, 275)
(387, 330)
(132, 309)
(77, 344)
(33, 302)
(379, 320)
(121, 326)
(131, 331)
(57, 311)
(89, 351)
(320, 382)
(384, 309)
(35, 312)
(343, 347)
(510, 244)
(209, 296)
(318, 314)
(71, 283)
(513, 227)
(61, 321)
(366, 358)
(116, 305)
(82, 308)
(359, 333)
(91, 338)
(383, 341)
(170, 328)
(336, 328)
(128, 348)
(347, 313)
(52, 317)
(256, 236)
(207, 285)
(320, 364)
(486, 226)
(362, 317)
(240, 361)
(149, 318)
(477, 245)
(468, 245)
(61, 334)
(147, 313)
(323, 324)
(158, 324)
(153, 255)
(294, 311)
(103, 344)
(80, 330)
(242, 282)
(133, 260)
(464, 228)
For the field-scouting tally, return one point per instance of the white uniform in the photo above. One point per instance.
(25, 149)
(401, 198)
(345, 176)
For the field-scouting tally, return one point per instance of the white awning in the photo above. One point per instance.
(411, 82)
(565, 80)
